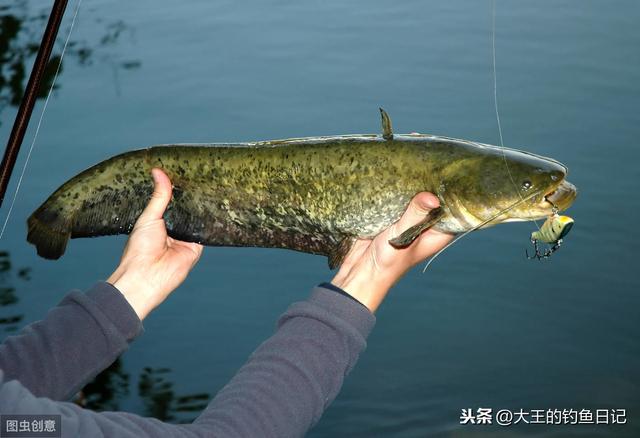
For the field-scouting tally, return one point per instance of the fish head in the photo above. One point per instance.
(508, 185)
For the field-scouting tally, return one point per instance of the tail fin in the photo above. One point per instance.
(49, 240)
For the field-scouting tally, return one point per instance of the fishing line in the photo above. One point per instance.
(44, 108)
(495, 101)
(502, 148)
(495, 81)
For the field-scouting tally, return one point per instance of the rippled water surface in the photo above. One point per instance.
(483, 327)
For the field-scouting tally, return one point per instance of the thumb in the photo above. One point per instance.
(159, 198)
(416, 212)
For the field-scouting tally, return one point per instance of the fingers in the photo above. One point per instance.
(195, 248)
(159, 198)
(418, 208)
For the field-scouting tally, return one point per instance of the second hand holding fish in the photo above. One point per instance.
(153, 264)
(373, 266)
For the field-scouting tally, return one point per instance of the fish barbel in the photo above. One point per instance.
(314, 194)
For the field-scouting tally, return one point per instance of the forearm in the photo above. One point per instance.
(281, 391)
(76, 340)
(79, 422)
(290, 380)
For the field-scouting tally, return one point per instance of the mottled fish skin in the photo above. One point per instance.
(303, 194)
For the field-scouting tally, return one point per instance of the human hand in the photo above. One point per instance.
(372, 266)
(153, 264)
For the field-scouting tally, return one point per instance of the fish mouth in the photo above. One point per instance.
(561, 197)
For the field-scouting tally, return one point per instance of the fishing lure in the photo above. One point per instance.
(554, 229)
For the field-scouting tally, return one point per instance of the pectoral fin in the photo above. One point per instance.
(337, 256)
(405, 239)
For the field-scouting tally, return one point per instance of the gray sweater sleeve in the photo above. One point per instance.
(79, 337)
(281, 391)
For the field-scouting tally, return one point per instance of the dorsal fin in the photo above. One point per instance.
(387, 130)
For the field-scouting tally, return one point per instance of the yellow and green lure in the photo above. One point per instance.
(554, 229)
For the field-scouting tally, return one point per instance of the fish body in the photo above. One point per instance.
(312, 194)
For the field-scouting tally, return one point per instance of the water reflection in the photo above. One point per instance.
(107, 390)
(9, 318)
(161, 400)
(20, 33)
(155, 390)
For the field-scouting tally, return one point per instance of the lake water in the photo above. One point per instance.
(484, 327)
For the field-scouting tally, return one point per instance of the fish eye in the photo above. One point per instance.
(526, 184)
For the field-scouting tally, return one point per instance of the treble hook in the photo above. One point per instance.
(547, 252)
